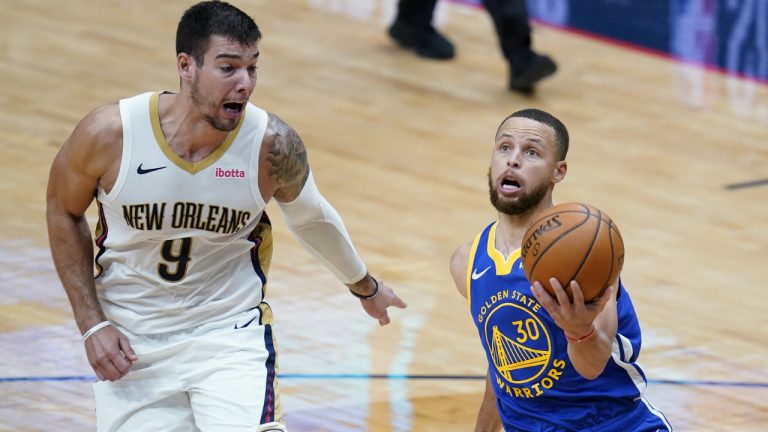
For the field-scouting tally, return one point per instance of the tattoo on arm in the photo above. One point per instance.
(286, 159)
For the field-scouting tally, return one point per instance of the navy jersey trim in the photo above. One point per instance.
(102, 229)
(261, 252)
(268, 410)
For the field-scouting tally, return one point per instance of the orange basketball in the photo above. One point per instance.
(573, 241)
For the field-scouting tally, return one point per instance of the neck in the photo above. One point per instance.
(511, 228)
(187, 132)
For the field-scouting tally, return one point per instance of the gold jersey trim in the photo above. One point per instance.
(191, 167)
(472, 251)
(503, 265)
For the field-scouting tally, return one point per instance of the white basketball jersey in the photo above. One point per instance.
(175, 238)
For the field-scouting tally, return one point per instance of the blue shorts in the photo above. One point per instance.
(643, 417)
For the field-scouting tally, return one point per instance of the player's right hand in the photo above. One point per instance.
(576, 317)
(110, 354)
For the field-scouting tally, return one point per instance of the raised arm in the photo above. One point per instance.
(86, 159)
(315, 222)
(590, 328)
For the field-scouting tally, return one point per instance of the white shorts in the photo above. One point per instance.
(220, 377)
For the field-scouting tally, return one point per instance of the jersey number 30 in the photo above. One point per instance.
(176, 256)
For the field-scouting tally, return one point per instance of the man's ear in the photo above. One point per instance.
(185, 65)
(559, 172)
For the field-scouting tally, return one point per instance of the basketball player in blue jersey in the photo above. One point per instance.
(175, 324)
(553, 365)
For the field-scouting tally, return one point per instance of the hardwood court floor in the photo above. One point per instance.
(401, 147)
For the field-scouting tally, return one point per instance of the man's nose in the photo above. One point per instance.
(244, 81)
(514, 160)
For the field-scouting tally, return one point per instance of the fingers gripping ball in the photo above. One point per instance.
(573, 241)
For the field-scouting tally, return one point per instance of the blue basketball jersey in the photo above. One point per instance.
(537, 388)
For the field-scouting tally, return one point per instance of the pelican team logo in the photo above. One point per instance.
(519, 345)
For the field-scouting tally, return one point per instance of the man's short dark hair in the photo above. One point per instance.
(561, 133)
(210, 18)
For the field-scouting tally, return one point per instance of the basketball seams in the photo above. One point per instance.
(611, 229)
(600, 223)
(553, 242)
(613, 257)
(557, 239)
(609, 277)
(585, 211)
(579, 247)
(559, 212)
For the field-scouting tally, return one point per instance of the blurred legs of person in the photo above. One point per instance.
(413, 29)
(510, 19)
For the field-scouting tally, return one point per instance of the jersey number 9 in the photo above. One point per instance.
(176, 256)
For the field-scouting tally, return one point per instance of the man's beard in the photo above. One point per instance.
(213, 121)
(520, 205)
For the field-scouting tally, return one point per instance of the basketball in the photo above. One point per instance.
(573, 241)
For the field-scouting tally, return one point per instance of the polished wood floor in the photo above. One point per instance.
(401, 146)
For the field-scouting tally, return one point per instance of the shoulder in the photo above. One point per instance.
(101, 126)
(91, 153)
(460, 256)
(458, 266)
(104, 118)
(280, 138)
(285, 158)
(97, 139)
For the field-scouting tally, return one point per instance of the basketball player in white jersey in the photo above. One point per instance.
(175, 325)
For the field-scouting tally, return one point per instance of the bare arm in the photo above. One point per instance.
(590, 328)
(488, 419)
(590, 355)
(315, 222)
(458, 267)
(83, 161)
(74, 177)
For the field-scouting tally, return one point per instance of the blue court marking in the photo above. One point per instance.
(92, 378)
(48, 378)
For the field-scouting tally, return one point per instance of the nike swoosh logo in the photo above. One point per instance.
(246, 324)
(141, 170)
(476, 275)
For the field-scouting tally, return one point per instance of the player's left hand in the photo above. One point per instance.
(577, 317)
(377, 306)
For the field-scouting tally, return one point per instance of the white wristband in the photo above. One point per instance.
(94, 329)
